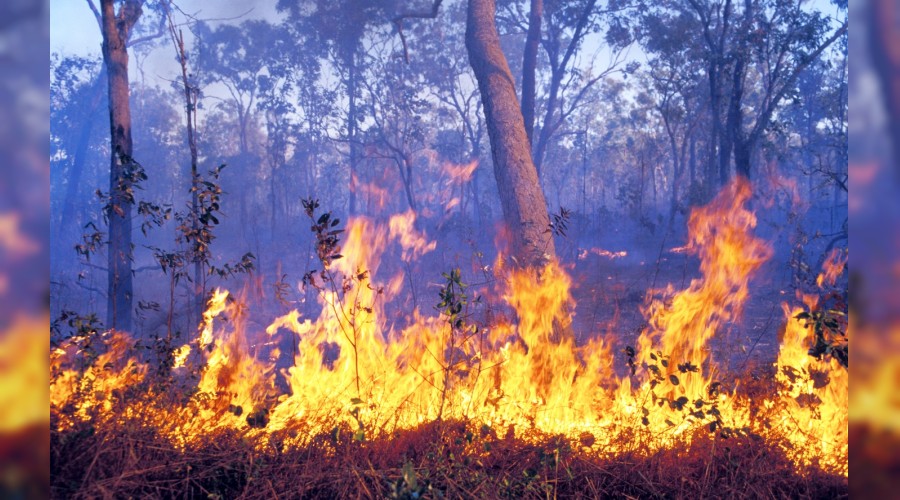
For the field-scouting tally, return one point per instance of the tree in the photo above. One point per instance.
(191, 93)
(237, 57)
(450, 81)
(566, 25)
(397, 110)
(674, 78)
(783, 40)
(116, 30)
(521, 197)
(529, 65)
(339, 27)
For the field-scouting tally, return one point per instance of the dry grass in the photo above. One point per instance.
(127, 458)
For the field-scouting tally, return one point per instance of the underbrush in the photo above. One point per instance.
(125, 458)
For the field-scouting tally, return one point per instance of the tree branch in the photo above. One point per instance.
(398, 22)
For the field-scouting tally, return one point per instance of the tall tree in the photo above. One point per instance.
(116, 30)
(339, 26)
(79, 110)
(521, 197)
(236, 57)
(450, 81)
(781, 39)
(191, 94)
(566, 25)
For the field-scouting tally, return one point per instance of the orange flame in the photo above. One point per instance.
(352, 370)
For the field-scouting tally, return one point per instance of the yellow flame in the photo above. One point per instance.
(24, 370)
(414, 243)
(519, 374)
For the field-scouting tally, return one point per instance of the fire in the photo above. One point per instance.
(23, 366)
(460, 174)
(582, 254)
(415, 244)
(93, 386)
(832, 268)
(357, 371)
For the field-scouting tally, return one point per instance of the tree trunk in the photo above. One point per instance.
(733, 139)
(521, 197)
(692, 162)
(529, 66)
(190, 109)
(351, 127)
(116, 30)
(676, 175)
(405, 165)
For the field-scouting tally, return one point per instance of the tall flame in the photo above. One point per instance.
(355, 370)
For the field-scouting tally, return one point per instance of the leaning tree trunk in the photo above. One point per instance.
(521, 197)
(115, 54)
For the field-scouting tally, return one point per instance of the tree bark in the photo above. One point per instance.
(522, 200)
(116, 30)
(529, 65)
(733, 139)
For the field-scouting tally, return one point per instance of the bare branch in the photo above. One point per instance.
(96, 13)
(398, 22)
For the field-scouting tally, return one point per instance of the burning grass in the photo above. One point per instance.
(443, 405)
(448, 459)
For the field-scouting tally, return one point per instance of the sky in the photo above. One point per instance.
(74, 31)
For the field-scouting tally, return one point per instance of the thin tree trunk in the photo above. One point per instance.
(733, 140)
(115, 55)
(190, 109)
(529, 66)
(351, 128)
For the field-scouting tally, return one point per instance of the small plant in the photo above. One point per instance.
(454, 305)
(701, 411)
(195, 230)
(345, 300)
(559, 222)
(829, 326)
